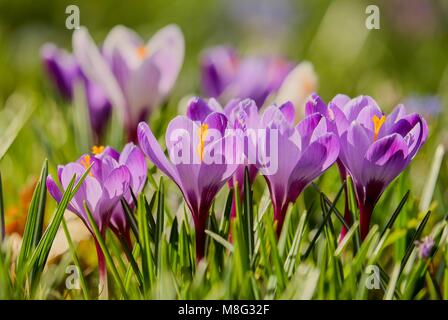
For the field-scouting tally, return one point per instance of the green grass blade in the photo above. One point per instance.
(430, 184)
(147, 260)
(17, 123)
(35, 218)
(226, 244)
(394, 216)
(130, 218)
(159, 222)
(248, 214)
(131, 259)
(415, 237)
(2, 213)
(42, 250)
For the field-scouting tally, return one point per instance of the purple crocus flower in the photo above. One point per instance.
(201, 162)
(302, 154)
(65, 73)
(107, 182)
(375, 148)
(241, 115)
(316, 104)
(424, 247)
(136, 76)
(132, 158)
(226, 75)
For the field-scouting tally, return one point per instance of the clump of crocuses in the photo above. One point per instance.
(375, 147)
(111, 177)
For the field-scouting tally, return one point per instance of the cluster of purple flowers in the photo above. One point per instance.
(369, 146)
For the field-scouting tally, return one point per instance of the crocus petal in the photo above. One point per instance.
(275, 119)
(353, 108)
(53, 189)
(181, 134)
(218, 67)
(95, 67)
(169, 42)
(384, 161)
(216, 121)
(117, 183)
(354, 145)
(133, 158)
(366, 115)
(141, 90)
(315, 104)
(154, 152)
(288, 111)
(120, 36)
(61, 67)
(198, 109)
(340, 100)
(317, 158)
(416, 137)
(307, 126)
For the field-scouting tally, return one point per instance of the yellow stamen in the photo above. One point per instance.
(377, 124)
(97, 149)
(85, 162)
(142, 52)
(203, 131)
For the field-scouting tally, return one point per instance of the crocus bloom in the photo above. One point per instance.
(376, 148)
(132, 158)
(136, 76)
(303, 153)
(241, 115)
(225, 75)
(199, 164)
(104, 186)
(424, 247)
(65, 73)
(316, 104)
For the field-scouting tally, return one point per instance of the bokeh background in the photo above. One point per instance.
(406, 60)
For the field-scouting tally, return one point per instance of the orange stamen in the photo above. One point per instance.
(377, 124)
(85, 162)
(97, 149)
(142, 52)
(203, 131)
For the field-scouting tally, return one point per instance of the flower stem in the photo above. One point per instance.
(366, 210)
(279, 219)
(347, 215)
(103, 291)
(200, 244)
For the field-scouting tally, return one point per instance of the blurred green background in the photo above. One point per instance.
(407, 58)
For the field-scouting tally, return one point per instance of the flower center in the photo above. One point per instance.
(96, 150)
(85, 162)
(203, 131)
(377, 124)
(142, 52)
